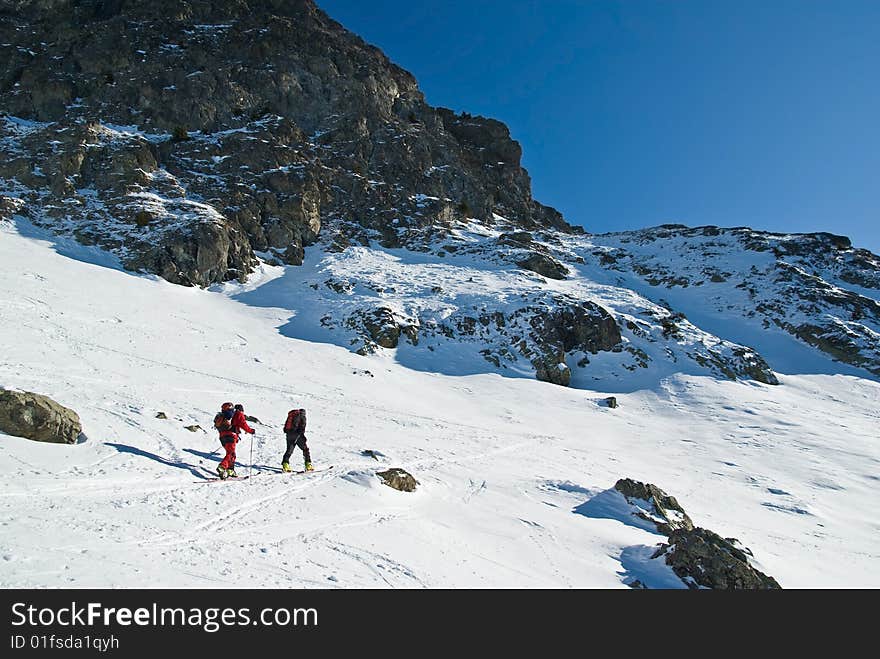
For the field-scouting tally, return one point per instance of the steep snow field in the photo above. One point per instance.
(514, 474)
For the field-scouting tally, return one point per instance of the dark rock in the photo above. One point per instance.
(382, 327)
(294, 254)
(654, 505)
(379, 328)
(611, 402)
(552, 369)
(839, 344)
(196, 255)
(9, 206)
(544, 265)
(342, 287)
(702, 558)
(179, 134)
(194, 428)
(38, 417)
(516, 239)
(754, 366)
(585, 326)
(812, 243)
(739, 362)
(671, 329)
(398, 479)
(143, 218)
(161, 415)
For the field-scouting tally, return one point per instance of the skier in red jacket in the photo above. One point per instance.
(230, 421)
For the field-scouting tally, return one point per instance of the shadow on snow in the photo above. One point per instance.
(192, 469)
(636, 560)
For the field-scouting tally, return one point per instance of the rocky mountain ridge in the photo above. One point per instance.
(206, 141)
(816, 287)
(269, 114)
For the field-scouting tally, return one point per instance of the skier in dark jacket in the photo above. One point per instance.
(230, 421)
(295, 430)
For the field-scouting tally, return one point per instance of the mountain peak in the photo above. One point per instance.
(203, 140)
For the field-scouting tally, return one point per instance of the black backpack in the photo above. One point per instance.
(296, 421)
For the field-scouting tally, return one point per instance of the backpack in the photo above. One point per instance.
(296, 421)
(222, 422)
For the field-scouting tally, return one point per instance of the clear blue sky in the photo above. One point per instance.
(632, 113)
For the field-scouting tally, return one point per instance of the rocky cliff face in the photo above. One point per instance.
(204, 140)
(186, 136)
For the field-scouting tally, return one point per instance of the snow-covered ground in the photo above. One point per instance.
(514, 474)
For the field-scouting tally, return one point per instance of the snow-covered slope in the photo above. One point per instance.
(463, 305)
(778, 293)
(514, 473)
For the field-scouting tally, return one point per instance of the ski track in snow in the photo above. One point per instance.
(504, 464)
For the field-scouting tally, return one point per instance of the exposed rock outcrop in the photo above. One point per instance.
(543, 265)
(270, 116)
(552, 369)
(816, 287)
(584, 326)
(399, 479)
(380, 328)
(653, 505)
(697, 556)
(38, 417)
(702, 558)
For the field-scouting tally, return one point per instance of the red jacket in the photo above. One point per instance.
(239, 423)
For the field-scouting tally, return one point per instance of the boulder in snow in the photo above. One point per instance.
(544, 265)
(653, 505)
(704, 559)
(37, 417)
(552, 369)
(399, 479)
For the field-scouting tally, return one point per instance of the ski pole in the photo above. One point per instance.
(251, 468)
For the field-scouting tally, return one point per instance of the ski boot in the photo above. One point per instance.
(285, 467)
(230, 473)
(221, 472)
(309, 467)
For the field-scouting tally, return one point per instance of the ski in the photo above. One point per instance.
(217, 478)
(303, 471)
(300, 472)
(312, 471)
